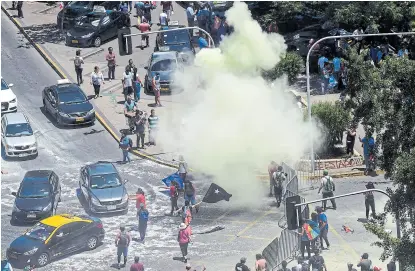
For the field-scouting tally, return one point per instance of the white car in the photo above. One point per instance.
(8, 98)
(17, 136)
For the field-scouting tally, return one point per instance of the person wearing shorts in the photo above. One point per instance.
(127, 81)
(156, 89)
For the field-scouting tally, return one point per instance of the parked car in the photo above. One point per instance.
(17, 136)
(103, 189)
(94, 28)
(68, 104)
(8, 98)
(179, 41)
(164, 63)
(37, 197)
(54, 237)
(67, 17)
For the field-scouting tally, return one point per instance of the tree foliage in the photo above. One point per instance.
(333, 118)
(291, 65)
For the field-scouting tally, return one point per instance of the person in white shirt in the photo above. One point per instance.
(182, 168)
(163, 18)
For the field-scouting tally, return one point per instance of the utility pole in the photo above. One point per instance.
(312, 158)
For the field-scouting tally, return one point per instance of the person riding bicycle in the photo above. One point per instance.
(368, 144)
(278, 178)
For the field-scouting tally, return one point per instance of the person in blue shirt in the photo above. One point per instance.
(324, 227)
(321, 62)
(142, 215)
(403, 52)
(190, 13)
(125, 145)
(202, 42)
(336, 67)
(368, 143)
(203, 16)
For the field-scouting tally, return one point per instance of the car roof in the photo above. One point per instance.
(63, 219)
(16, 118)
(37, 175)
(70, 87)
(101, 168)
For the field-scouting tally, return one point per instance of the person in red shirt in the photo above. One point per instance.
(140, 198)
(137, 266)
(144, 26)
(174, 196)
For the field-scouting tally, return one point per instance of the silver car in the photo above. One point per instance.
(103, 189)
(17, 136)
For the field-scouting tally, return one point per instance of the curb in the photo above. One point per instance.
(59, 71)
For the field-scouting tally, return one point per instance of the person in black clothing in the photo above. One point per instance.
(370, 200)
(350, 139)
(284, 266)
(317, 261)
(241, 266)
(19, 9)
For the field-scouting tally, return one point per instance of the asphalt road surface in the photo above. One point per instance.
(65, 150)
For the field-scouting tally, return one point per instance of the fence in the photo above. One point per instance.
(287, 246)
(305, 172)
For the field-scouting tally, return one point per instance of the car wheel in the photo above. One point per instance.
(92, 243)
(43, 259)
(97, 41)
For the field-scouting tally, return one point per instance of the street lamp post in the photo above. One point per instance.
(211, 41)
(312, 158)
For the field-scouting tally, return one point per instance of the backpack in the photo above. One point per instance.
(278, 179)
(123, 240)
(77, 61)
(329, 185)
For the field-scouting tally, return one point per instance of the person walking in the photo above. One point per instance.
(144, 27)
(182, 168)
(305, 241)
(78, 62)
(190, 13)
(241, 266)
(186, 213)
(278, 179)
(122, 241)
(140, 198)
(137, 266)
(130, 109)
(328, 187)
(19, 9)
(284, 266)
(190, 193)
(110, 57)
(324, 227)
(140, 128)
(368, 144)
(174, 196)
(261, 263)
(156, 89)
(137, 85)
(163, 19)
(336, 67)
(125, 145)
(317, 262)
(365, 264)
(370, 200)
(184, 238)
(272, 167)
(167, 7)
(152, 127)
(127, 83)
(350, 140)
(142, 215)
(97, 79)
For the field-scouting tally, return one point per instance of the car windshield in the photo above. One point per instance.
(78, 4)
(71, 97)
(89, 21)
(4, 85)
(105, 181)
(17, 130)
(164, 65)
(40, 232)
(176, 37)
(34, 190)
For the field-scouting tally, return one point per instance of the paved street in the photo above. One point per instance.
(65, 150)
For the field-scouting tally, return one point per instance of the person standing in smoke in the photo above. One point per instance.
(370, 200)
(182, 168)
(190, 194)
(271, 169)
(278, 179)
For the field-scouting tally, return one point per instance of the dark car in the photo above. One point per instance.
(164, 63)
(37, 197)
(103, 189)
(55, 237)
(68, 104)
(179, 40)
(94, 28)
(67, 16)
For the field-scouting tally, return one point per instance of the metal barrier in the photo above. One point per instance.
(305, 172)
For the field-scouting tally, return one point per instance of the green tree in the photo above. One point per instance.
(334, 120)
(291, 64)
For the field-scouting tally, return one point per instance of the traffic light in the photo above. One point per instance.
(125, 44)
(292, 212)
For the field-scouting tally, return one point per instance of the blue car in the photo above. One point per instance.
(164, 63)
(178, 40)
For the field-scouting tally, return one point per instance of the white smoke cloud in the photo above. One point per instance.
(233, 123)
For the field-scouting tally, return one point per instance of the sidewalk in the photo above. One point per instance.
(41, 27)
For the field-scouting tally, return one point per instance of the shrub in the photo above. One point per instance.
(291, 64)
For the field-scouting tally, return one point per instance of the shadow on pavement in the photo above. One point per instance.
(45, 33)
